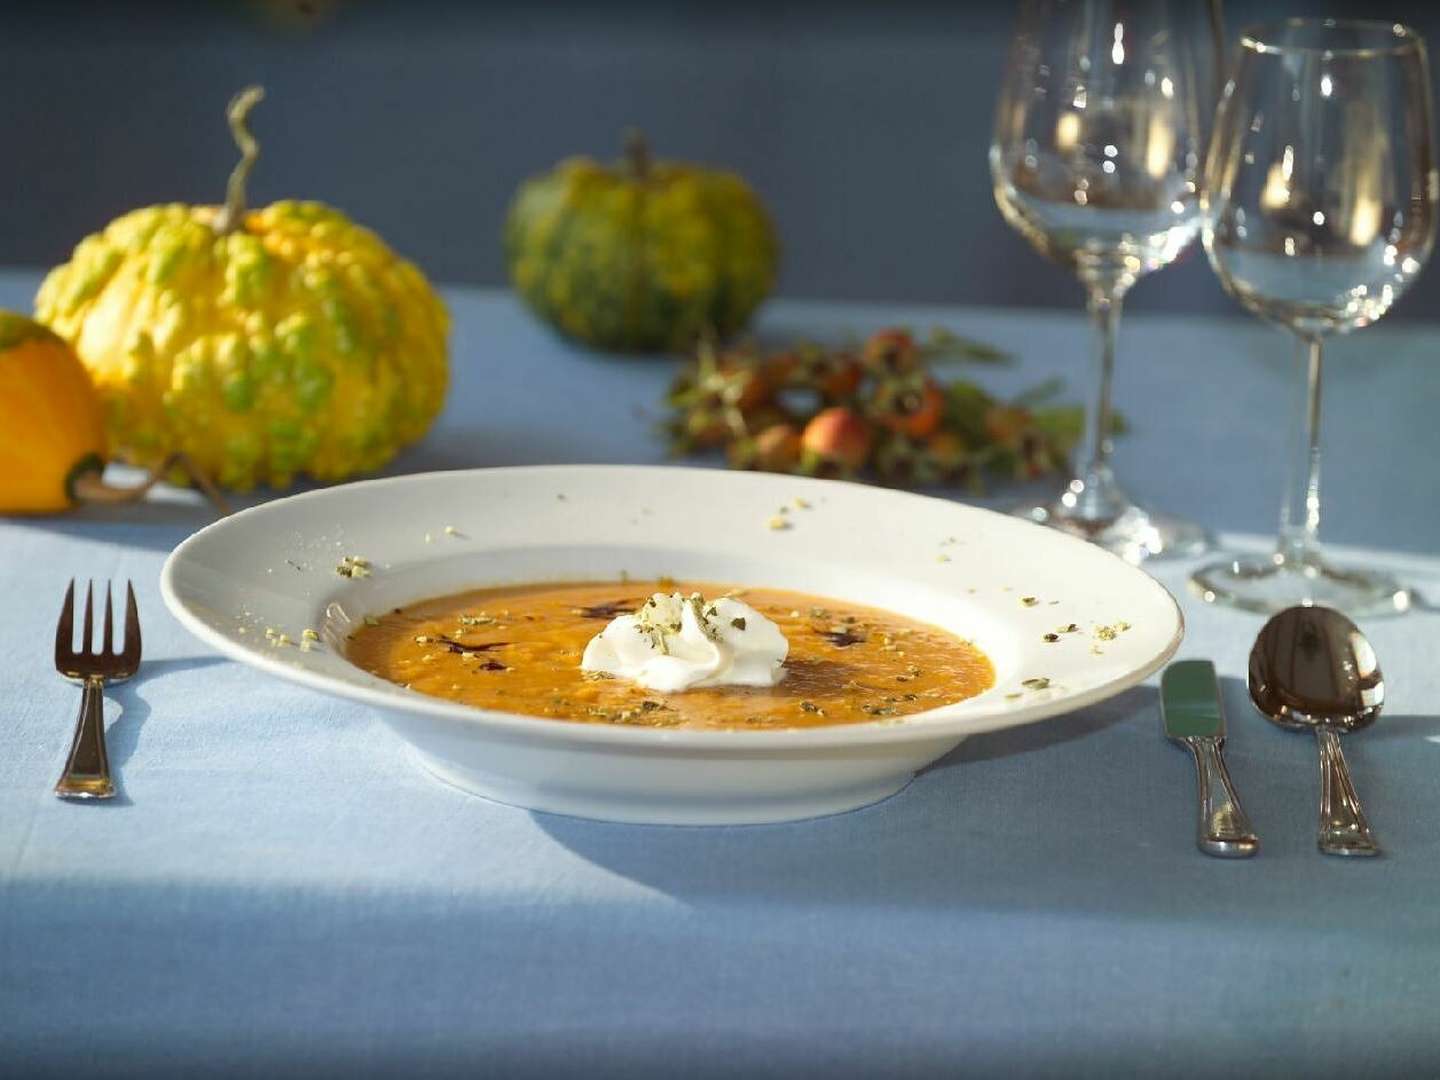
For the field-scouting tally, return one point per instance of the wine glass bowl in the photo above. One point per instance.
(1062, 181)
(1100, 132)
(1319, 199)
(1320, 212)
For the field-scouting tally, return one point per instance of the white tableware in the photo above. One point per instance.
(1009, 585)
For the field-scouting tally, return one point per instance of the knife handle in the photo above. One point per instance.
(1224, 830)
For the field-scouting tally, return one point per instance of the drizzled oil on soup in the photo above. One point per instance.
(517, 649)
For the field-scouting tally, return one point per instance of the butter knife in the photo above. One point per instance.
(1190, 709)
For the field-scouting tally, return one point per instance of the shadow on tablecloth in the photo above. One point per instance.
(1043, 734)
(122, 732)
(157, 524)
(979, 822)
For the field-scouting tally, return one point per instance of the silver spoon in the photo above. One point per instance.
(1311, 667)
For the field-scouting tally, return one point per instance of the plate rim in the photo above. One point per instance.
(919, 727)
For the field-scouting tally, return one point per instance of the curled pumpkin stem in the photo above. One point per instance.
(637, 153)
(238, 113)
(90, 486)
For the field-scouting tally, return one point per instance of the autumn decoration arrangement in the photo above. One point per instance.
(879, 409)
(230, 347)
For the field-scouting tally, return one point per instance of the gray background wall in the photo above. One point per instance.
(863, 126)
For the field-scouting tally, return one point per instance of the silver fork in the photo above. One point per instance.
(87, 772)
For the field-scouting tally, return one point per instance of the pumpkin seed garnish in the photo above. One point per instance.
(467, 647)
(843, 637)
(608, 610)
(353, 566)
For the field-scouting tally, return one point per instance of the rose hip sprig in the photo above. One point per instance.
(877, 408)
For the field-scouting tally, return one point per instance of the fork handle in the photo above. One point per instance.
(87, 771)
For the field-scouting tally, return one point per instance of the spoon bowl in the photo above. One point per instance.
(1312, 669)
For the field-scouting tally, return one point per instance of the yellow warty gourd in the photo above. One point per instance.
(265, 344)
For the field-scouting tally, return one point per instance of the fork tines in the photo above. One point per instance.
(67, 657)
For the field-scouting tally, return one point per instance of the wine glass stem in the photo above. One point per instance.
(1300, 512)
(1097, 497)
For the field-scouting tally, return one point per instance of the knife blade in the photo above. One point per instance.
(1192, 716)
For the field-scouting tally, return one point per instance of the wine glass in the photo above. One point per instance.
(1100, 133)
(1320, 210)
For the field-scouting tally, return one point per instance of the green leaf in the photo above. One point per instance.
(1065, 424)
(1062, 425)
(946, 345)
(965, 408)
(1040, 393)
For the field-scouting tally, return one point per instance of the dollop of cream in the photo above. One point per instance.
(677, 642)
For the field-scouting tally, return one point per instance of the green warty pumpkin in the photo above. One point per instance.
(643, 256)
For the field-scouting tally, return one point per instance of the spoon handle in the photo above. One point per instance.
(1343, 828)
(1224, 829)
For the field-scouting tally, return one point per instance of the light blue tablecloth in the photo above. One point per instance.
(280, 890)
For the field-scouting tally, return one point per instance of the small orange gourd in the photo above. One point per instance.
(54, 429)
(53, 452)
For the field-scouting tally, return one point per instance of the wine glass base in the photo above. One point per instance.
(1268, 584)
(1135, 534)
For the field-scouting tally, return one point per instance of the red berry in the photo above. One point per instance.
(840, 378)
(888, 352)
(916, 413)
(837, 436)
(777, 448)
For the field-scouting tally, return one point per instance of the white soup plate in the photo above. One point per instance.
(1002, 582)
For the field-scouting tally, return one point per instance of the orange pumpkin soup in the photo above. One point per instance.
(517, 649)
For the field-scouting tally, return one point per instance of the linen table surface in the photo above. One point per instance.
(279, 890)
